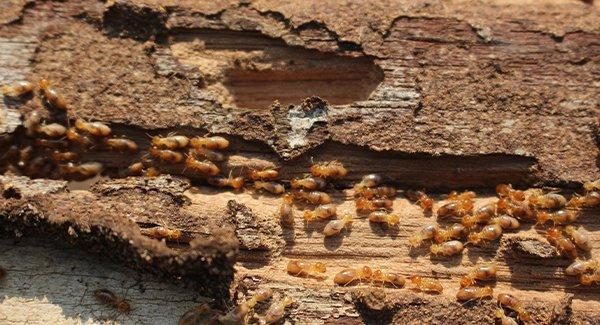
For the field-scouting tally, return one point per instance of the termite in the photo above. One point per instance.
(381, 192)
(308, 183)
(334, 227)
(564, 245)
(421, 198)
(135, 169)
(506, 222)
(32, 122)
(426, 285)
(516, 209)
(560, 217)
(589, 279)
(89, 169)
(350, 275)
(166, 155)
(505, 320)
(464, 196)
(579, 267)
(590, 199)
(162, 233)
(204, 167)
(121, 144)
(110, 298)
(61, 157)
(96, 129)
(313, 197)
(579, 237)
(480, 272)
(74, 136)
(448, 248)
(507, 191)
(51, 144)
(271, 187)
(425, 233)
(592, 186)
(390, 278)
(18, 89)
(470, 221)
(51, 96)
(486, 212)
(455, 209)
(487, 234)
(299, 268)
(277, 310)
(332, 169)
(548, 201)
(263, 175)
(286, 211)
(454, 231)
(472, 293)
(152, 172)
(215, 142)
(234, 182)
(325, 211)
(53, 130)
(512, 302)
(170, 142)
(366, 205)
(384, 217)
(208, 154)
(370, 180)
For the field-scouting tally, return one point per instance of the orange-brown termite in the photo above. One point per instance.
(286, 211)
(564, 245)
(135, 169)
(271, 187)
(121, 144)
(209, 154)
(332, 169)
(61, 157)
(560, 217)
(464, 196)
(394, 279)
(426, 285)
(579, 237)
(384, 217)
(324, 211)
(454, 231)
(162, 233)
(517, 209)
(299, 268)
(381, 192)
(201, 166)
(504, 320)
(53, 130)
(97, 129)
(506, 222)
(313, 197)
(480, 272)
(470, 221)
(366, 205)
(51, 96)
(512, 302)
(308, 183)
(277, 310)
(589, 200)
(370, 180)
(421, 198)
(170, 142)
(488, 233)
(350, 275)
(110, 298)
(507, 191)
(263, 175)
(152, 172)
(334, 227)
(425, 233)
(589, 279)
(261, 295)
(547, 201)
(455, 209)
(18, 89)
(169, 156)
(472, 293)
(215, 142)
(448, 248)
(74, 136)
(235, 183)
(579, 267)
(89, 169)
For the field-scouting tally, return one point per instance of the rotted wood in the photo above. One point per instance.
(435, 95)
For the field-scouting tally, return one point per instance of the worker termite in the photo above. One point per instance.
(135, 169)
(271, 187)
(448, 248)
(96, 129)
(589, 279)
(32, 122)
(366, 205)
(277, 310)
(579, 267)
(395, 280)
(299, 268)
(455, 209)
(162, 233)
(370, 180)
(110, 298)
(506, 222)
(215, 142)
(86, 169)
(487, 234)
(348, 276)
(421, 198)
(454, 231)
(579, 237)
(74, 136)
(313, 197)
(592, 186)
(384, 217)
(51, 144)
(426, 285)
(170, 142)
(209, 154)
(481, 272)
(167, 155)
(504, 320)
(18, 89)
(472, 293)
(464, 196)
(507, 191)
(512, 302)
(333, 169)
(486, 212)
(548, 201)
(53, 130)
(334, 227)
(470, 221)
(286, 211)
(590, 199)
(51, 96)
(121, 144)
(308, 183)
(61, 157)
(263, 175)
(204, 167)
(516, 209)
(235, 183)
(425, 233)
(559, 217)
(325, 211)
(564, 245)
(152, 172)
(381, 191)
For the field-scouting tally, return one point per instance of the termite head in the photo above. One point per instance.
(320, 267)
(124, 306)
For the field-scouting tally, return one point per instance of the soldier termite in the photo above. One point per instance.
(51, 96)
(235, 183)
(579, 267)
(455, 209)
(506, 222)
(504, 320)
(562, 244)
(579, 237)
(480, 272)
(560, 217)
(395, 280)
(97, 129)
(454, 231)
(121, 144)
(512, 302)
(425, 233)
(277, 310)
(299, 268)
(308, 183)
(170, 142)
(334, 227)
(487, 234)
(472, 293)
(271, 187)
(162, 233)
(110, 298)
(263, 175)
(384, 217)
(214, 142)
(426, 285)
(548, 201)
(366, 205)
(313, 197)
(421, 198)
(171, 156)
(53, 130)
(325, 211)
(18, 89)
(332, 169)
(350, 275)
(448, 248)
